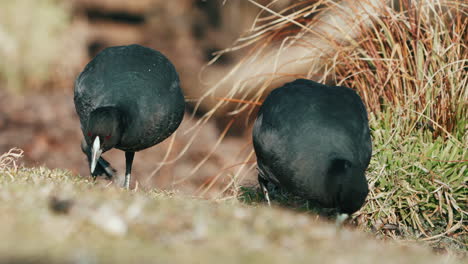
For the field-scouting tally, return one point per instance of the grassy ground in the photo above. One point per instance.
(56, 217)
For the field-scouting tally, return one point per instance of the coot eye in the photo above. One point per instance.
(108, 137)
(89, 134)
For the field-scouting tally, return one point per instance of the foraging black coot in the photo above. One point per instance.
(127, 97)
(313, 140)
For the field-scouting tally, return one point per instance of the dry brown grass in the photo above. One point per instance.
(414, 60)
(414, 57)
(9, 159)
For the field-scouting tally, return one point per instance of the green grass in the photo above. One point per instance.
(52, 216)
(419, 183)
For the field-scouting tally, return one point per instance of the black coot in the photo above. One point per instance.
(313, 140)
(127, 97)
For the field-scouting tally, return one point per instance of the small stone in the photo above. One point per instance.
(60, 206)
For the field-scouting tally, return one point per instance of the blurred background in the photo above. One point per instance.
(44, 44)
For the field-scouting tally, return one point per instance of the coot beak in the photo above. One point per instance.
(96, 152)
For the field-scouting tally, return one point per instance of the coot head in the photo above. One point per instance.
(349, 185)
(103, 131)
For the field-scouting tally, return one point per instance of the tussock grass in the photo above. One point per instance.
(417, 183)
(408, 63)
(52, 216)
(30, 31)
(415, 61)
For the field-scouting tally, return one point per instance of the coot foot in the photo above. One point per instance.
(263, 186)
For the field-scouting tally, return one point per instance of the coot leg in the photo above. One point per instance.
(263, 185)
(128, 167)
(103, 166)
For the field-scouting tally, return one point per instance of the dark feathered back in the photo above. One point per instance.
(314, 140)
(140, 82)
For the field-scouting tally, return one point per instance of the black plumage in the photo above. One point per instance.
(129, 98)
(313, 140)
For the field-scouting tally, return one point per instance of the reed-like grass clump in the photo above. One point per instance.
(408, 61)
